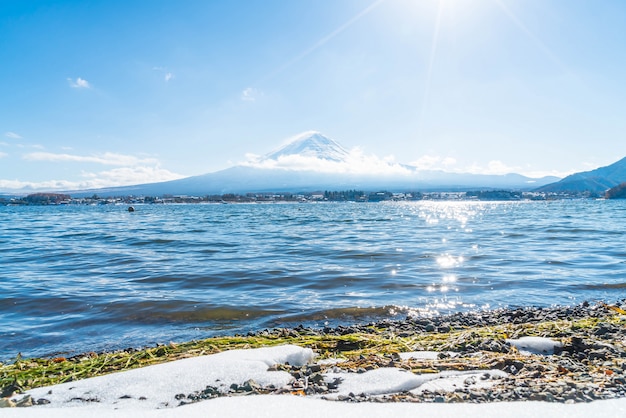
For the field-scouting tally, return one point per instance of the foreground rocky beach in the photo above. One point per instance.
(587, 361)
(560, 354)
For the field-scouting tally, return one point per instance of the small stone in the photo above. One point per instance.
(250, 386)
(210, 391)
(334, 384)
(470, 381)
(597, 354)
(316, 378)
(24, 402)
(10, 390)
(7, 403)
(314, 368)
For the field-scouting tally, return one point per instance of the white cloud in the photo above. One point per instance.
(128, 170)
(167, 75)
(31, 146)
(448, 161)
(250, 94)
(496, 167)
(433, 162)
(123, 176)
(545, 173)
(3, 154)
(108, 158)
(130, 175)
(251, 158)
(356, 163)
(12, 135)
(18, 185)
(359, 163)
(493, 167)
(79, 83)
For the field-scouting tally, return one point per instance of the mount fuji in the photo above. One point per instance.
(313, 162)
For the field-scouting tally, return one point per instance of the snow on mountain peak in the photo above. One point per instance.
(314, 152)
(311, 144)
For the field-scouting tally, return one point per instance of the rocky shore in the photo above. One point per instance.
(587, 362)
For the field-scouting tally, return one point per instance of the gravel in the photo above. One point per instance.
(589, 364)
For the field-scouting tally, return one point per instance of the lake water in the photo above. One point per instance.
(92, 278)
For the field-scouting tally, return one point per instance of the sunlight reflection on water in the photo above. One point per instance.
(88, 274)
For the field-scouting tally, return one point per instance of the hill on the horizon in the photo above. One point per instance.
(595, 181)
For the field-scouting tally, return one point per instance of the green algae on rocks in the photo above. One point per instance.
(593, 350)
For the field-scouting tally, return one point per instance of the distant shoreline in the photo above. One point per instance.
(490, 195)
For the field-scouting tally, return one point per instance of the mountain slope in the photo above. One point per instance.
(596, 181)
(313, 162)
(240, 179)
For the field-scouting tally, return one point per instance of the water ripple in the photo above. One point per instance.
(97, 277)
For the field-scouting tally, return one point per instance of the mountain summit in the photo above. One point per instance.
(311, 144)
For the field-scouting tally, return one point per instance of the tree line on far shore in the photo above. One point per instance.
(617, 192)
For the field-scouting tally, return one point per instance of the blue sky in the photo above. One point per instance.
(109, 92)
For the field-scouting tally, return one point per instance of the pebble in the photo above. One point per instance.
(590, 365)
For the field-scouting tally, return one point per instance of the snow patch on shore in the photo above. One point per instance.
(389, 380)
(535, 345)
(157, 386)
(119, 394)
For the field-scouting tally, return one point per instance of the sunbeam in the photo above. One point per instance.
(431, 61)
(534, 38)
(323, 40)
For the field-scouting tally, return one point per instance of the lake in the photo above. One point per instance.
(91, 278)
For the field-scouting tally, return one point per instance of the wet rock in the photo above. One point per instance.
(313, 368)
(597, 354)
(334, 384)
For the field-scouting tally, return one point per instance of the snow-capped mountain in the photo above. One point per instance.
(313, 162)
(311, 144)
